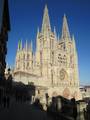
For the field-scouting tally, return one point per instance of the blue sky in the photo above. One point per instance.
(26, 16)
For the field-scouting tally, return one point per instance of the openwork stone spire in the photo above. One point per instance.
(65, 29)
(46, 21)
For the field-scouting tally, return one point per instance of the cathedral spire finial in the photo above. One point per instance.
(26, 45)
(65, 29)
(46, 21)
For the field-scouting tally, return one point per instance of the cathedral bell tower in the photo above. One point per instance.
(43, 44)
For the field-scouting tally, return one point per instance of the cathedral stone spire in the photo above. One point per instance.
(26, 46)
(46, 21)
(58, 38)
(37, 40)
(20, 45)
(65, 29)
(76, 72)
(74, 44)
(31, 45)
(75, 52)
(37, 32)
(55, 33)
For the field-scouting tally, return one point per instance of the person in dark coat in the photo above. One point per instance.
(74, 108)
(4, 101)
(8, 101)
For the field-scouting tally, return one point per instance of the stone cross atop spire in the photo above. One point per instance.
(65, 29)
(46, 21)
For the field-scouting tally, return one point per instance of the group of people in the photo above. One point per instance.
(62, 109)
(68, 109)
(5, 91)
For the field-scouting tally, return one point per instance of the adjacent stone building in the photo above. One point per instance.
(85, 91)
(4, 28)
(53, 67)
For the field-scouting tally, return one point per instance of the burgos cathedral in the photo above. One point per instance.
(53, 67)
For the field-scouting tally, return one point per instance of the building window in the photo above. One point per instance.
(28, 56)
(62, 59)
(27, 65)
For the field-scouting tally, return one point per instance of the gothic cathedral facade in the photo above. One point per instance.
(53, 67)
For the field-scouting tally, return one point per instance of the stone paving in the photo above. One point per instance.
(22, 111)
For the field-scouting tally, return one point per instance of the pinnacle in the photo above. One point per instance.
(46, 8)
(74, 44)
(73, 37)
(26, 45)
(65, 29)
(55, 32)
(20, 45)
(31, 45)
(46, 21)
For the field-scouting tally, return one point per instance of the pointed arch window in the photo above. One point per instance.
(28, 56)
(27, 65)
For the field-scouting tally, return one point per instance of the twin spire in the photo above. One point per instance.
(65, 29)
(47, 27)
